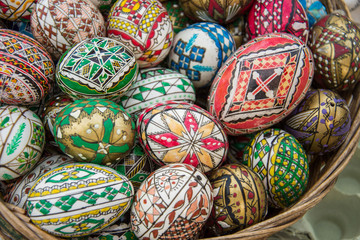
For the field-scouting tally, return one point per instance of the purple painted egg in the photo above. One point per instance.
(174, 202)
(278, 16)
(321, 122)
(261, 83)
(179, 132)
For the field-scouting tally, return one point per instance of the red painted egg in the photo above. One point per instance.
(261, 83)
(278, 16)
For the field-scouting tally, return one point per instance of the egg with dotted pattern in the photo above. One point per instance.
(282, 164)
(94, 130)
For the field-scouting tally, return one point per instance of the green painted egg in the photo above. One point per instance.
(282, 164)
(97, 68)
(94, 130)
(78, 199)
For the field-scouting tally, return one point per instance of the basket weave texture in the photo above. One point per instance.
(324, 170)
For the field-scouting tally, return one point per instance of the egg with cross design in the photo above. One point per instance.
(261, 83)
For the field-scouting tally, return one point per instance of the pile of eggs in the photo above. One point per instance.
(168, 119)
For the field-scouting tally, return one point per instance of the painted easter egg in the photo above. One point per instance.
(282, 164)
(22, 139)
(26, 69)
(94, 130)
(136, 166)
(155, 85)
(78, 199)
(220, 11)
(239, 199)
(120, 230)
(179, 132)
(59, 24)
(17, 10)
(278, 16)
(334, 41)
(174, 202)
(18, 194)
(199, 51)
(177, 16)
(97, 68)
(51, 109)
(144, 27)
(261, 83)
(321, 122)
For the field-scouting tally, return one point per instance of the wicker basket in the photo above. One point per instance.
(14, 224)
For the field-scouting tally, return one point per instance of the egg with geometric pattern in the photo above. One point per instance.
(22, 140)
(26, 69)
(334, 41)
(97, 68)
(261, 83)
(144, 27)
(282, 164)
(19, 10)
(239, 199)
(78, 199)
(155, 85)
(199, 51)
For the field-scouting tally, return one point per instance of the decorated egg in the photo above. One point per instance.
(155, 85)
(59, 24)
(281, 163)
(18, 194)
(174, 202)
(261, 83)
(334, 41)
(239, 199)
(120, 230)
(78, 199)
(22, 139)
(26, 69)
(199, 51)
(215, 11)
(144, 27)
(321, 122)
(278, 16)
(136, 166)
(97, 68)
(94, 130)
(179, 132)
(177, 16)
(19, 10)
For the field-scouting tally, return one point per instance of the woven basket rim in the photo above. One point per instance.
(14, 222)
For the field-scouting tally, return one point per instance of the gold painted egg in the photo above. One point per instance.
(239, 199)
(334, 41)
(94, 130)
